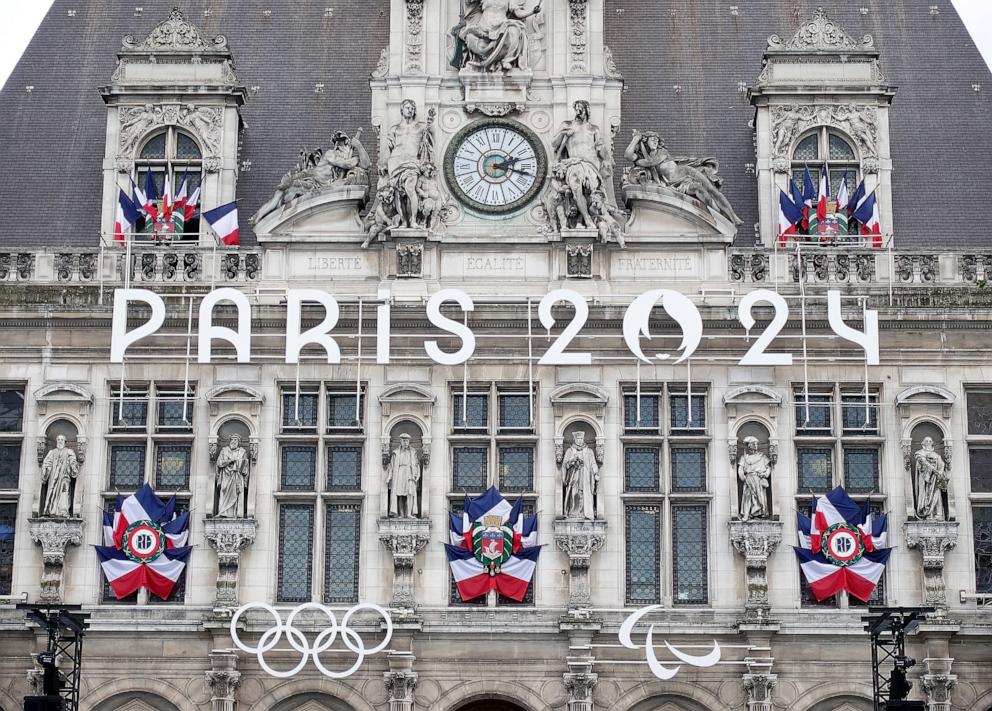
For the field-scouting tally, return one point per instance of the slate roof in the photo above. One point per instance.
(52, 139)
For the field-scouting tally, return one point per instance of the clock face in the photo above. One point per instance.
(495, 166)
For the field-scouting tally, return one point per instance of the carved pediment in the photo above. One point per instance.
(331, 213)
(752, 395)
(234, 393)
(820, 34)
(926, 395)
(174, 35)
(579, 394)
(659, 213)
(136, 705)
(63, 392)
(408, 393)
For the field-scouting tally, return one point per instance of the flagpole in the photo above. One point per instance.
(127, 285)
(802, 303)
(189, 346)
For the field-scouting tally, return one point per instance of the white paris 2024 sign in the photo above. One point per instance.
(635, 324)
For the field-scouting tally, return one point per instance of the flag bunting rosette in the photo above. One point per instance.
(144, 544)
(493, 547)
(842, 547)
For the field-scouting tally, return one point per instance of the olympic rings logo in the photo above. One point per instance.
(298, 640)
(660, 671)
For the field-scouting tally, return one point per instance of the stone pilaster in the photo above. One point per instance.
(938, 683)
(223, 679)
(756, 540)
(579, 539)
(758, 688)
(401, 680)
(933, 539)
(579, 680)
(228, 536)
(404, 538)
(54, 535)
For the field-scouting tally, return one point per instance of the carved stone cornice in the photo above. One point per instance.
(175, 35)
(54, 535)
(820, 34)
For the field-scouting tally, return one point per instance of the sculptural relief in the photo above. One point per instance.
(931, 480)
(754, 470)
(58, 471)
(493, 36)
(580, 478)
(232, 478)
(403, 480)
(344, 162)
(697, 178)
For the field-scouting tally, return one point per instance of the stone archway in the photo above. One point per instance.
(491, 705)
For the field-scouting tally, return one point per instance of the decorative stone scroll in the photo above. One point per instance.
(933, 538)
(858, 121)
(54, 535)
(175, 35)
(579, 540)
(229, 537)
(820, 34)
(204, 122)
(756, 540)
(404, 538)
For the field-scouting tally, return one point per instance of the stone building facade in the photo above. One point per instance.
(581, 201)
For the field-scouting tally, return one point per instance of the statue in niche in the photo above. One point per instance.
(344, 162)
(492, 35)
(695, 177)
(583, 168)
(754, 471)
(408, 194)
(580, 475)
(403, 480)
(931, 480)
(232, 478)
(58, 470)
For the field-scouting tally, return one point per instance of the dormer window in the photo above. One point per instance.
(175, 153)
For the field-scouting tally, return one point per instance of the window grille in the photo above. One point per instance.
(295, 571)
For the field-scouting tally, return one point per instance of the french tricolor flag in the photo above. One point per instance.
(867, 214)
(789, 215)
(126, 576)
(224, 221)
(809, 195)
(142, 505)
(127, 216)
(824, 194)
(860, 579)
(473, 581)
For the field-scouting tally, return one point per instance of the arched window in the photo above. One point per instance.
(175, 153)
(824, 143)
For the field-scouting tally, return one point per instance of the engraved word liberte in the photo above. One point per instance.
(635, 325)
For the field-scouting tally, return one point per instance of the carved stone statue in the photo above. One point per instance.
(492, 36)
(402, 480)
(344, 162)
(58, 470)
(232, 478)
(754, 471)
(931, 480)
(695, 177)
(580, 474)
(413, 198)
(583, 167)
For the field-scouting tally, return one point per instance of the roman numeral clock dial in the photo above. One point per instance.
(495, 166)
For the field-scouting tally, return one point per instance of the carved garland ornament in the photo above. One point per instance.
(204, 122)
(578, 33)
(859, 122)
(175, 34)
(415, 36)
(820, 34)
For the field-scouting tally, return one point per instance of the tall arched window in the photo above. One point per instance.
(175, 153)
(836, 149)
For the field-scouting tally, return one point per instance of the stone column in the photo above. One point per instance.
(54, 535)
(938, 682)
(228, 536)
(404, 538)
(933, 538)
(758, 688)
(223, 679)
(401, 680)
(579, 539)
(756, 540)
(580, 680)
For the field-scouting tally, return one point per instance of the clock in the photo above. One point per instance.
(495, 166)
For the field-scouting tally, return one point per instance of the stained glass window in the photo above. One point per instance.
(643, 554)
(649, 414)
(172, 467)
(688, 469)
(299, 467)
(980, 413)
(689, 574)
(980, 466)
(127, 466)
(344, 468)
(8, 523)
(514, 411)
(11, 409)
(341, 413)
(474, 415)
(982, 522)
(341, 553)
(470, 468)
(516, 469)
(860, 470)
(680, 412)
(641, 469)
(295, 552)
(815, 469)
(299, 414)
(10, 465)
